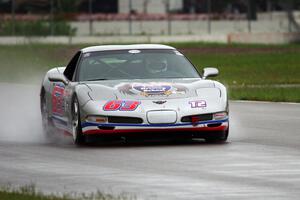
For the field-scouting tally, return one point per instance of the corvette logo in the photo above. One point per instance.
(151, 89)
(159, 102)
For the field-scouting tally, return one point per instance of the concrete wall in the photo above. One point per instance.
(263, 38)
(152, 6)
(276, 15)
(267, 22)
(179, 27)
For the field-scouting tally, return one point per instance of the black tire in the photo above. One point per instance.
(218, 139)
(46, 122)
(78, 137)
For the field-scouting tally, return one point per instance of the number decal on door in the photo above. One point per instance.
(121, 105)
(58, 99)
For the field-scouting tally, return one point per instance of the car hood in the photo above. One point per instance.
(147, 89)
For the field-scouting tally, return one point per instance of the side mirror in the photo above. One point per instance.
(58, 78)
(210, 72)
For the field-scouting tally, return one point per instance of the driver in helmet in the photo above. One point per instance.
(156, 64)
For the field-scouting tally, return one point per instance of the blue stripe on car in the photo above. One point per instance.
(87, 124)
(60, 120)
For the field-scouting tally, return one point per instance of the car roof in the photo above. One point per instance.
(125, 47)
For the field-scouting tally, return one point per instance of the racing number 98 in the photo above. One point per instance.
(121, 105)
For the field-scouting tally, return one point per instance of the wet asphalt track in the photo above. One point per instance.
(260, 161)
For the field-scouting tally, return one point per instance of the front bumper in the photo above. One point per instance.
(118, 129)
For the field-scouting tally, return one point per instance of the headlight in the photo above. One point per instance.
(220, 115)
(98, 119)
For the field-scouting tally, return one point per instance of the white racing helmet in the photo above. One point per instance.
(156, 64)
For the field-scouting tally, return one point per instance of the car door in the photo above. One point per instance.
(69, 89)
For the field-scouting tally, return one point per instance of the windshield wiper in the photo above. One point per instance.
(97, 79)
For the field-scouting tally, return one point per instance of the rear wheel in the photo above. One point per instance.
(78, 137)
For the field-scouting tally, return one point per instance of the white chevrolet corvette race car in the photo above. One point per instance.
(134, 91)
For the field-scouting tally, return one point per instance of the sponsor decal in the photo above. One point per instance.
(58, 99)
(148, 90)
(198, 104)
(121, 105)
(151, 89)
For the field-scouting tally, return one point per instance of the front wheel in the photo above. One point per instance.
(46, 122)
(220, 138)
(78, 137)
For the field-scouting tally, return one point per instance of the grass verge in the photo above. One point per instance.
(266, 94)
(29, 192)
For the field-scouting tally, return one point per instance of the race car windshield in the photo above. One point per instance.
(134, 64)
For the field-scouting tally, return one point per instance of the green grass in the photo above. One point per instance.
(236, 45)
(20, 196)
(236, 69)
(29, 192)
(27, 63)
(266, 94)
(26, 193)
(239, 65)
